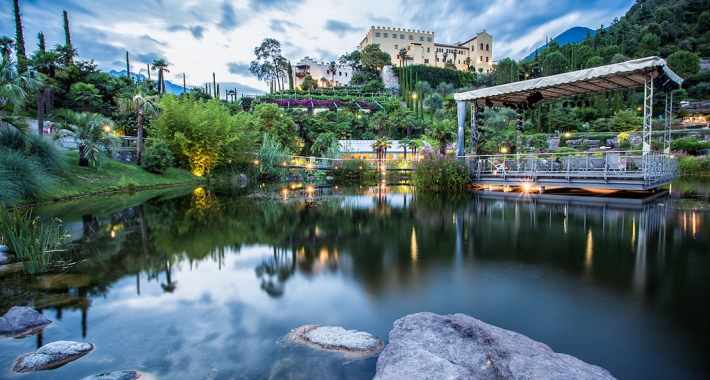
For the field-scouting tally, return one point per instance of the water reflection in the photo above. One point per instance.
(386, 240)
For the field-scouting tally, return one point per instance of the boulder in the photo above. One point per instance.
(22, 320)
(123, 375)
(3, 258)
(52, 355)
(430, 346)
(4, 248)
(333, 338)
(242, 180)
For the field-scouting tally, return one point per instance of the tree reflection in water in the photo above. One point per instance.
(275, 270)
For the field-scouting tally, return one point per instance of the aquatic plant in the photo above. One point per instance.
(31, 240)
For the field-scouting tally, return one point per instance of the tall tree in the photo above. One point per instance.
(269, 65)
(67, 38)
(289, 68)
(145, 105)
(161, 67)
(443, 131)
(41, 43)
(332, 67)
(16, 89)
(128, 68)
(402, 55)
(19, 39)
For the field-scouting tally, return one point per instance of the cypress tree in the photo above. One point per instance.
(290, 78)
(184, 84)
(128, 68)
(214, 84)
(219, 93)
(19, 39)
(67, 39)
(41, 45)
(148, 71)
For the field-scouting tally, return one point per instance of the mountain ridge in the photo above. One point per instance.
(175, 89)
(574, 34)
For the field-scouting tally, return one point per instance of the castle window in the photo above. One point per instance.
(428, 39)
(377, 34)
(487, 47)
(385, 35)
(411, 37)
(481, 46)
(421, 39)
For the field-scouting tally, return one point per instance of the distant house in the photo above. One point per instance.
(307, 66)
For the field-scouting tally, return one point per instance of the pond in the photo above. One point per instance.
(202, 283)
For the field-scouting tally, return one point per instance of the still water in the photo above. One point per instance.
(202, 283)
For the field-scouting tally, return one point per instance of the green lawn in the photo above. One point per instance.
(115, 176)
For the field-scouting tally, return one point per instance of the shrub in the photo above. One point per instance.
(157, 158)
(34, 243)
(33, 146)
(689, 145)
(438, 172)
(562, 150)
(271, 158)
(22, 178)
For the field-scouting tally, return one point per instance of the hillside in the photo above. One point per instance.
(572, 35)
(175, 89)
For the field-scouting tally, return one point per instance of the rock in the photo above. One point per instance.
(4, 248)
(22, 320)
(3, 258)
(123, 375)
(430, 346)
(52, 355)
(242, 180)
(335, 338)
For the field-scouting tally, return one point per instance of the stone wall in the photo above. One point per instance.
(389, 78)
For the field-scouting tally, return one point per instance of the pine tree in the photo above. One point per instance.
(19, 39)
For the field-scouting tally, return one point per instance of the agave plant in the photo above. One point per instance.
(91, 132)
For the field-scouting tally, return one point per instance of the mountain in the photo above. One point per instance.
(175, 89)
(571, 35)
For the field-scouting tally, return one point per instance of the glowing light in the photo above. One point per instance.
(360, 167)
(284, 192)
(309, 166)
(285, 164)
(504, 150)
(310, 189)
(256, 162)
(590, 251)
(526, 187)
(107, 128)
(415, 247)
(414, 95)
(568, 135)
(113, 234)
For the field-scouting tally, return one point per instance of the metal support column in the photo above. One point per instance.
(647, 113)
(475, 135)
(669, 123)
(461, 111)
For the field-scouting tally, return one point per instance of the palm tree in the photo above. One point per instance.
(326, 145)
(443, 131)
(404, 144)
(162, 67)
(445, 55)
(85, 93)
(145, 105)
(378, 120)
(415, 145)
(402, 56)
(380, 146)
(6, 46)
(91, 132)
(332, 67)
(467, 61)
(15, 91)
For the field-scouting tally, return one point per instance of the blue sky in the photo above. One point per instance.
(198, 37)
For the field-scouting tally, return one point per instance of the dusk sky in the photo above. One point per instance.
(198, 37)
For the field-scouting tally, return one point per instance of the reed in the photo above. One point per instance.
(33, 241)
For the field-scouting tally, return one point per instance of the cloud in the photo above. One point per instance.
(239, 68)
(378, 20)
(284, 5)
(229, 21)
(340, 28)
(197, 31)
(280, 25)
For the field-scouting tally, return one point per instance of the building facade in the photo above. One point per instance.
(422, 48)
(339, 77)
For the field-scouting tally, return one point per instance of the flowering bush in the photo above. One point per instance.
(439, 172)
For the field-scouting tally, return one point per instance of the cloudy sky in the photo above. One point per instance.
(198, 37)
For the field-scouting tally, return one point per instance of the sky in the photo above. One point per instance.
(199, 37)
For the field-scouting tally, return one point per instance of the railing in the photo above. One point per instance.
(329, 164)
(651, 168)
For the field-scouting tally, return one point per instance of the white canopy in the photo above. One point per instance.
(627, 74)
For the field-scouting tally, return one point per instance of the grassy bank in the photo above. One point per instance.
(77, 181)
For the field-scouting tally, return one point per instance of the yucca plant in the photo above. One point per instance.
(32, 241)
